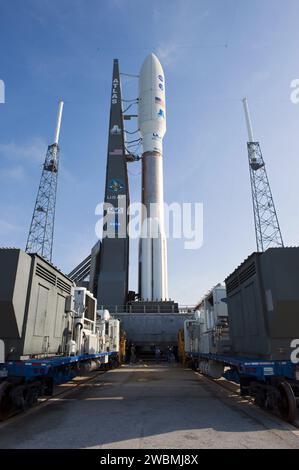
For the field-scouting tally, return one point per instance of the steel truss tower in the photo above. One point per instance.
(114, 259)
(267, 229)
(40, 238)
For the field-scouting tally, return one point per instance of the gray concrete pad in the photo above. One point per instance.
(149, 407)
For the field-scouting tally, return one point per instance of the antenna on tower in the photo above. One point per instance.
(267, 229)
(40, 238)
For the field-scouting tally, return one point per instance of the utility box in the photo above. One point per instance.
(114, 334)
(213, 309)
(85, 313)
(32, 305)
(192, 336)
(263, 304)
(85, 304)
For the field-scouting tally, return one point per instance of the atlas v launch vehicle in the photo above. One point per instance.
(152, 126)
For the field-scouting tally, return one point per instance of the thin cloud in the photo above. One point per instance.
(33, 151)
(17, 159)
(66, 174)
(168, 53)
(261, 76)
(15, 173)
(7, 227)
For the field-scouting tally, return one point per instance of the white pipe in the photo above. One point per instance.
(248, 120)
(165, 279)
(157, 268)
(146, 261)
(58, 125)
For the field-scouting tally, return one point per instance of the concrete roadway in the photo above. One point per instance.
(148, 407)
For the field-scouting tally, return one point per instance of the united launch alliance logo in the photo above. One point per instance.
(2, 92)
(116, 185)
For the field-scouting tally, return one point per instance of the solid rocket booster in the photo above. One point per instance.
(152, 127)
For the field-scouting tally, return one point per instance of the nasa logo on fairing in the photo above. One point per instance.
(156, 136)
(161, 113)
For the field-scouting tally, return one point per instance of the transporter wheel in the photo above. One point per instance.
(25, 396)
(47, 387)
(5, 401)
(31, 394)
(287, 405)
(260, 400)
(115, 362)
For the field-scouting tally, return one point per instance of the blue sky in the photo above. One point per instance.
(214, 52)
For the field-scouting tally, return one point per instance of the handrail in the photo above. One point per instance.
(151, 308)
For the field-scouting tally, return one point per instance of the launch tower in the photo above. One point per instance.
(40, 238)
(267, 229)
(112, 292)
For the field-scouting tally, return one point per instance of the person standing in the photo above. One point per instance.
(133, 353)
(169, 354)
(157, 354)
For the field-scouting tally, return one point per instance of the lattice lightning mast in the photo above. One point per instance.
(40, 238)
(267, 227)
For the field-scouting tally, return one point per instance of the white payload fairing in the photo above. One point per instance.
(152, 126)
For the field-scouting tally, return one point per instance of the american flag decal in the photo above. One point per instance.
(116, 152)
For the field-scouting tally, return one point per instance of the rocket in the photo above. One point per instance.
(153, 283)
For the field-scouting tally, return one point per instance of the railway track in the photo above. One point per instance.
(235, 390)
(60, 391)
